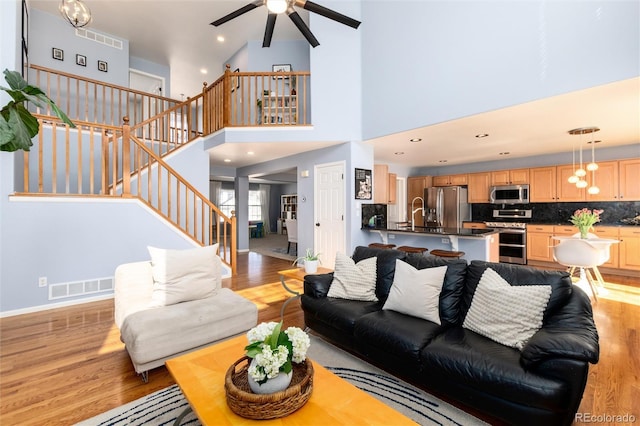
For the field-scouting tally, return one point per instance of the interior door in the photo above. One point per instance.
(329, 223)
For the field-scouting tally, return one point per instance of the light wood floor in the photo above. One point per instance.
(65, 365)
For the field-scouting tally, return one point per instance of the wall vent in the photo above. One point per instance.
(99, 38)
(80, 288)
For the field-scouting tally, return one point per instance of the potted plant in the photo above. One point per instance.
(17, 125)
(311, 261)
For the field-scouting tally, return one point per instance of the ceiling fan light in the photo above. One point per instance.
(593, 190)
(573, 179)
(581, 172)
(592, 167)
(581, 184)
(277, 6)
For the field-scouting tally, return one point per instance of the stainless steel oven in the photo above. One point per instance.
(512, 240)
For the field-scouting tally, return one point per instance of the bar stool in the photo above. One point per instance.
(382, 246)
(409, 249)
(447, 253)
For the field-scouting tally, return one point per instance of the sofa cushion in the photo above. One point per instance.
(507, 314)
(452, 288)
(463, 356)
(416, 292)
(338, 314)
(561, 286)
(354, 281)
(184, 275)
(386, 266)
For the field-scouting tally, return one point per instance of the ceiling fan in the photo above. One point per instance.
(277, 7)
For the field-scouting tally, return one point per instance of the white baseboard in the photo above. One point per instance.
(41, 308)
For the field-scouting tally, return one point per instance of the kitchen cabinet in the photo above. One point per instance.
(380, 183)
(629, 176)
(539, 242)
(605, 178)
(450, 180)
(510, 177)
(610, 232)
(567, 192)
(474, 225)
(629, 248)
(393, 188)
(478, 190)
(415, 188)
(543, 184)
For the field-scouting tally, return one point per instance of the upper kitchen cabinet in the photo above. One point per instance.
(415, 188)
(567, 192)
(510, 177)
(605, 178)
(384, 185)
(451, 180)
(478, 191)
(629, 175)
(543, 185)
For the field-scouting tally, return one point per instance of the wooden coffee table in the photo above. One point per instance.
(297, 274)
(334, 401)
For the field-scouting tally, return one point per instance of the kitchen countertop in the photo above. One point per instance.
(461, 232)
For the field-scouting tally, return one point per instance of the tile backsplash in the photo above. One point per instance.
(374, 216)
(559, 213)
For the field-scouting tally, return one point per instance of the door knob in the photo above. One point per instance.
(317, 223)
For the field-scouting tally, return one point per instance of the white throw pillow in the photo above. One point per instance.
(183, 275)
(354, 281)
(416, 292)
(507, 314)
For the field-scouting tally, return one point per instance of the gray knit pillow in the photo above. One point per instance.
(507, 314)
(354, 281)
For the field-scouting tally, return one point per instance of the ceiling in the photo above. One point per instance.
(179, 34)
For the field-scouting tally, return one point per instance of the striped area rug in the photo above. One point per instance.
(164, 406)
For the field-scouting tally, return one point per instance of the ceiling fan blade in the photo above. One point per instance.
(268, 31)
(331, 14)
(236, 13)
(306, 32)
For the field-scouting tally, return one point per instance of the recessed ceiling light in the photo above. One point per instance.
(505, 153)
(415, 139)
(226, 160)
(482, 135)
(250, 152)
(442, 161)
(203, 70)
(399, 153)
(220, 38)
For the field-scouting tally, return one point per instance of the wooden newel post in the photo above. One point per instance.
(206, 111)
(226, 96)
(234, 242)
(105, 162)
(126, 158)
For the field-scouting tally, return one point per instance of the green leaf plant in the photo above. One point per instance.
(17, 125)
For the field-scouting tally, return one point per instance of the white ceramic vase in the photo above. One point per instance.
(310, 266)
(277, 384)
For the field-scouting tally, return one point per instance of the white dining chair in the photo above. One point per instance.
(292, 233)
(585, 256)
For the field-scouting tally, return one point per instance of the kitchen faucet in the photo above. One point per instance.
(413, 212)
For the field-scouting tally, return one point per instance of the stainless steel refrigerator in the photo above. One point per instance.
(446, 206)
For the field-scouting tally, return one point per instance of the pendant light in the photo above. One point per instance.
(573, 178)
(592, 167)
(75, 12)
(580, 173)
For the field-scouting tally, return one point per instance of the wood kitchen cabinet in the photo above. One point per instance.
(474, 225)
(393, 188)
(605, 178)
(450, 180)
(539, 242)
(629, 248)
(510, 177)
(478, 190)
(543, 184)
(629, 176)
(565, 191)
(380, 183)
(415, 188)
(610, 232)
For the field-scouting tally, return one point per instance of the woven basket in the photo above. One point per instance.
(247, 404)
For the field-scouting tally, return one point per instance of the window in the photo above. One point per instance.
(227, 203)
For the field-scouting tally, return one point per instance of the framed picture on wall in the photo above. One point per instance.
(102, 66)
(57, 54)
(363, 188)
(81, 60)
(280, 68)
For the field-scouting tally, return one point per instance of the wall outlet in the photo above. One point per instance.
(445, 241)
(42, 282)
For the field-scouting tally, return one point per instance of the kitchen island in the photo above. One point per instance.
(477, 244)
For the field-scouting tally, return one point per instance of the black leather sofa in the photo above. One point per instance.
(542, 384)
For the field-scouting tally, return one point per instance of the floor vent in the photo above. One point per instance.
(80, 288)
(99, 38)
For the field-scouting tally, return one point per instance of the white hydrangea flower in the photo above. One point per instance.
(300, 341)
(261, 331)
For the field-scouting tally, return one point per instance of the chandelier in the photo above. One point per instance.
(578, 177)
(76, 12)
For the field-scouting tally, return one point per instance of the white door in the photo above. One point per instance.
(330, 229)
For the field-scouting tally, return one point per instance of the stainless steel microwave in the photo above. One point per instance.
(509, 194)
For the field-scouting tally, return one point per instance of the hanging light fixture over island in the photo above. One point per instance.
(580, 173)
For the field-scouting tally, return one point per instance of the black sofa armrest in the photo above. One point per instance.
(570, 332)
(317, 286)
